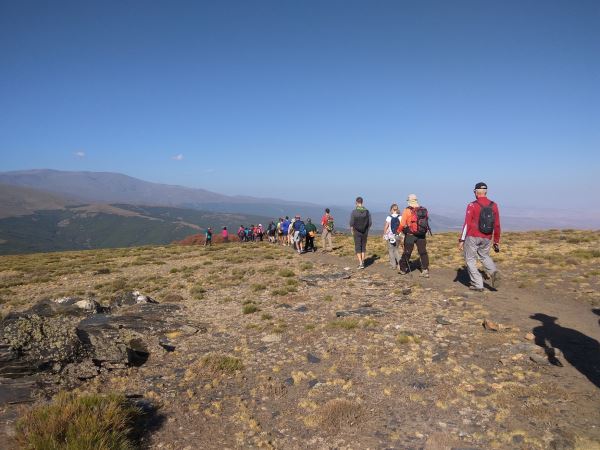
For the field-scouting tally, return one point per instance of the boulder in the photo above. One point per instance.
(76, 338)
(131, 298)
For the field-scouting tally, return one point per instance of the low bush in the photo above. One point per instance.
(73, 422)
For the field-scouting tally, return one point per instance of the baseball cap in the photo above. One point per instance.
(481, 185)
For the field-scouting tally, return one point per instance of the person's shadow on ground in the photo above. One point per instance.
(580, 350)
(370, 260)
(597, 312)
(462, 277)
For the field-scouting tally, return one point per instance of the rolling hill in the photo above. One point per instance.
(35, 221)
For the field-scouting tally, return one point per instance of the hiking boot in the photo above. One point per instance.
(361, 266)
(475, 288)
(495, 279)
(402, 272)
(425, 273)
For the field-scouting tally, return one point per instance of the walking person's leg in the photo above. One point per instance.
(392, 251)
(364, 248)
(423, 256)
(358, 247)
(471, 251)
(409, 244)
(483, 251)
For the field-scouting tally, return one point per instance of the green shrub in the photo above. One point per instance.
(198, 292)
(249, 308)
(222, 363)
(258, 287)
(286, 273)
(72, 422)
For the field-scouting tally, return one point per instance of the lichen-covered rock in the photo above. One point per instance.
(38, 343)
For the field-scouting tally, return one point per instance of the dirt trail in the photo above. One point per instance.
(577, 324)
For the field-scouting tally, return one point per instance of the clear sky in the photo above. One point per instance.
(310, 100)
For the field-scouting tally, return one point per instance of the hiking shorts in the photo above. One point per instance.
(360, 242)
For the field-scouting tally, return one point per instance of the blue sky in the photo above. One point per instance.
(312, 100)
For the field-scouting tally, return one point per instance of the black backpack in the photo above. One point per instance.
(361, 221)
(486, 218)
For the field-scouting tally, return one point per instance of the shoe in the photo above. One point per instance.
(495, 279)
(475, 288)
(425, 273)
(361, 266)
(402, 272)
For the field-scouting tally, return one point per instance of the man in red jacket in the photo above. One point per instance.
(482, 224)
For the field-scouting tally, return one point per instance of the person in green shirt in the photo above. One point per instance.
(311, 232)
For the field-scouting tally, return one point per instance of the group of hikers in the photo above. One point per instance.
(403, 231)
(292, 232)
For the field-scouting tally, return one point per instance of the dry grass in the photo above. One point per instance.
(222, 363)
(338, 413)
(74, 422)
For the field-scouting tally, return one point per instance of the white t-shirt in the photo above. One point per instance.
(388, 220)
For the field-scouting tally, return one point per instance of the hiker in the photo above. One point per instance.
(327, 232)
(259, 232)
(279, 231)
(208, 240)
(290, 235)
(299, 234)
(360, 222)
(225, 234)
(311, 232)
(285, 225)
(271, 232)
(241, 233)
(393, 235)
(248, 233)
(415, 225)
(482, 223)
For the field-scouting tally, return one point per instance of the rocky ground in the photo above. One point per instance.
(254, 346)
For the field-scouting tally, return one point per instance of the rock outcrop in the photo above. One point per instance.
(78, 338)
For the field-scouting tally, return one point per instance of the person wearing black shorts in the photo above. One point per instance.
(360, 222)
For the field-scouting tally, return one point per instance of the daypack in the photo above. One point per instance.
(284, 226)
(300, 227)
(419, 221)
(486, 218)
(329, 223)
(395, 225)
(361, 220)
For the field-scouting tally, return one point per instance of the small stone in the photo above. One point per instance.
(312, 358)
(442, 320)
(529, 336)
(491, 326)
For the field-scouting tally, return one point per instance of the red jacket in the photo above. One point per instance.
(471, 226)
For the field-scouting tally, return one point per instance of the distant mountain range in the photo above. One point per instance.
(35, 221)
(44, 210)
(106, 187)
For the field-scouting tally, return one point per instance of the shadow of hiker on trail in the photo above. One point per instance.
(580, 350)
(463, 277)
(370, 260)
